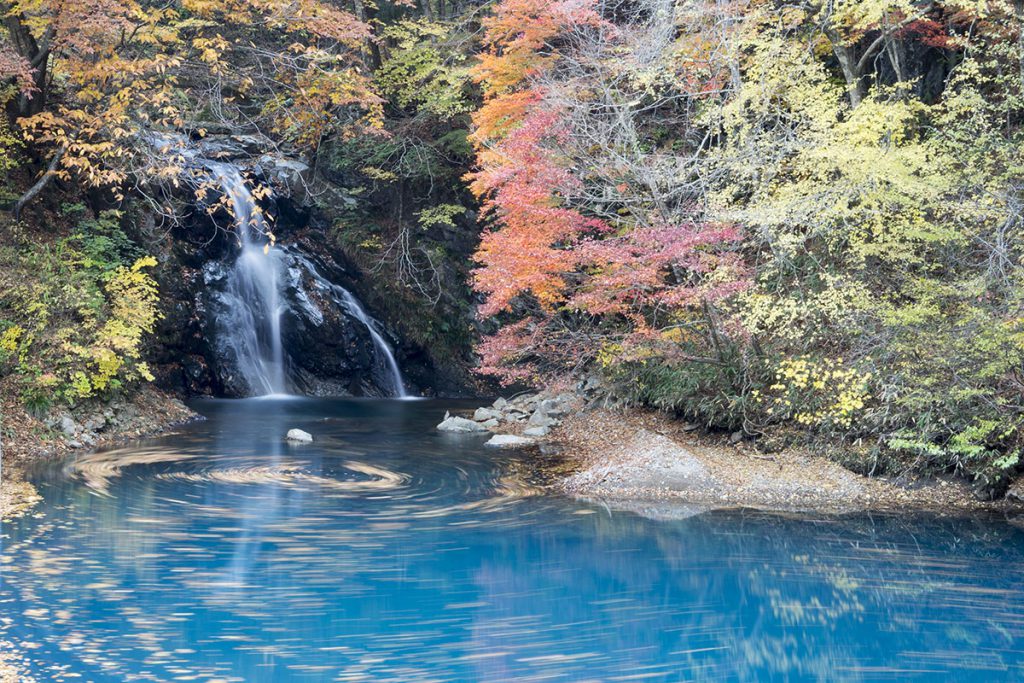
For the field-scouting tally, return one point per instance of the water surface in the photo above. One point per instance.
(386, 551)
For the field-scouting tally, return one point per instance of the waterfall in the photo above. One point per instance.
(350, 304)
(384, 351)
(253, 301)
(252, 328)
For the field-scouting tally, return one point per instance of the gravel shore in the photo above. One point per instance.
(652, 464)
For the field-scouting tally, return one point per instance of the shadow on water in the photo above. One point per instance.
(386, 551)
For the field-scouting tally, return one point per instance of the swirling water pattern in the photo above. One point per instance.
(386, 551)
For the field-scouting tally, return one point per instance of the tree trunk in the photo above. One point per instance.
(38, 56)
(371, 53)
(41, 184)
(848, 62)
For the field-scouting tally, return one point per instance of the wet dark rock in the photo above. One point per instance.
(289, 176)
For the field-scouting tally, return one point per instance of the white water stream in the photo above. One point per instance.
(251, 326)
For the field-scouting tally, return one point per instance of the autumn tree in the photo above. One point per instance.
(97, 79)
(598, 239)
(880, 207)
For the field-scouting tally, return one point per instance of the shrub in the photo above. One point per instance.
(74, 313)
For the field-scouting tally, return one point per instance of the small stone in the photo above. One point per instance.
(299, 436)
(95, 423)
(68, 426)
(554, 407)
(490, 424)
(499, 404)
(537, 431)
(509, 441)
(541, 419)
(460, 425)
(75, 444)
(527, 401)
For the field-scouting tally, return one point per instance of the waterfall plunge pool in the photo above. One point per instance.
(386, 551)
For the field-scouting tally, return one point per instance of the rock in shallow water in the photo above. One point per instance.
(460, 425)
(299, 436)
(509, 441)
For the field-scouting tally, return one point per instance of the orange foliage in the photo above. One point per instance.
(126, 70)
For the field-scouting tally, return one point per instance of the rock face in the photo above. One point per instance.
(299, 436)
(329, 353)
(289, 176)
(329, 350)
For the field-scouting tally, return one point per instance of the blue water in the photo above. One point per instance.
(386, 551)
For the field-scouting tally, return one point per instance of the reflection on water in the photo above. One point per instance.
(386, 551)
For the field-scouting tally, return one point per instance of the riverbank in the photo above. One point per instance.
(88, 426)
(639, 459)
(651, 463)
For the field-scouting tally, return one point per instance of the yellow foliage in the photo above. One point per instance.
(817, 393)
(76, 323)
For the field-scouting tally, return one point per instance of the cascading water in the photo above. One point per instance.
(252, 300)
(345, 299)
(397, 385)
(252, 326)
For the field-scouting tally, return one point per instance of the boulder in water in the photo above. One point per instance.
(299, 436)
(460, 425)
